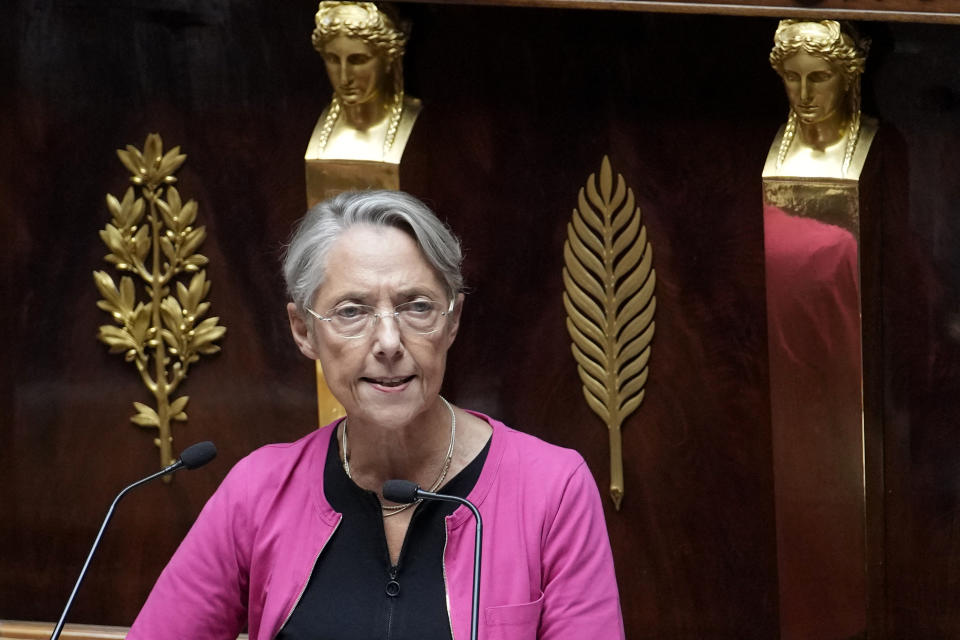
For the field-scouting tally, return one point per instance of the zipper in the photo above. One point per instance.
(392, 594)
(307, 581)
(443, 565)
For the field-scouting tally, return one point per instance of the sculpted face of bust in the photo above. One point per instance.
(357, 73)
(815, 88)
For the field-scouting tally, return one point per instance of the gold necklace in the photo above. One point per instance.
(392, 510)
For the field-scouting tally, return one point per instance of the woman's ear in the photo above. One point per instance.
(300, 331)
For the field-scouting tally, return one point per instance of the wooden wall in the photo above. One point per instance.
(521, 104)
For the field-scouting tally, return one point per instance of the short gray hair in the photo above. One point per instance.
(304, 260)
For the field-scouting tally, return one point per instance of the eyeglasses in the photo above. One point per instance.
(422, 317)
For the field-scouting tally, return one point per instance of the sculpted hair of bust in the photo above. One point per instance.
(368, 24)
(845, 53)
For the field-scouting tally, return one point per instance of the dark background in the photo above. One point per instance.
(520, 106)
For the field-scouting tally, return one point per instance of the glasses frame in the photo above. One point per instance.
(377, 315)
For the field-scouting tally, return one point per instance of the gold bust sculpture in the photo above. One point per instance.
(825, 136)
(370, 117)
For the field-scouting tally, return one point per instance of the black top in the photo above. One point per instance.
(354, 592)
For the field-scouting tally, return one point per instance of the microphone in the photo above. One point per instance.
(404, 491)
(193, 457)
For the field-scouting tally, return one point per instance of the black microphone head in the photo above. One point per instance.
(198, 454)
(402, 491)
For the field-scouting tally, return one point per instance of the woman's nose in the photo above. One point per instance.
(804, 90)
(386, 334)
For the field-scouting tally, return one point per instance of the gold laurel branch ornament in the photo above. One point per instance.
(152, 237)
(609, 282)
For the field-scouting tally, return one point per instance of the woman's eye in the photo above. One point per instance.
(420, 306)
(358, 58)
(820, 76)
(350, 312)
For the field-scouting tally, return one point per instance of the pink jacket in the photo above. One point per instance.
(547, 569)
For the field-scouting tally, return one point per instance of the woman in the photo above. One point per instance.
(369, 117)
(820, 64)
(298, 542)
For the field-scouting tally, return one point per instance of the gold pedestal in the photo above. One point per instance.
(327, 178)
(817, 253)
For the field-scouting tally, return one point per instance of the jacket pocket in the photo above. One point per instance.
(514, 621)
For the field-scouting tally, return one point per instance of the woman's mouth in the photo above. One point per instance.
(395, 381)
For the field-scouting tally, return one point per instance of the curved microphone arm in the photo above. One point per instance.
(403, 491)
(192, 457)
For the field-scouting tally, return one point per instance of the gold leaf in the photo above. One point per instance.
(585, 258)
(145, 416)
(179, 404)
(606, 178)
(590, 217)
(167, 214)
(593, 368)
(112, 237)
(188, 215)
(132, 160)
(196, 260)
(635, 366)
(167, 247)
(153, 150)
(639, 324)
(630, 233)
(171, 314)
(629, 260)
(193, 240)
(116, 338)
(141, 243)
(587, 349)
(584, 234)
(171, 161)
(127, 294)
(627, 209)
(173, 200)
(113, 206)
(138, 208)
(584, 302)
(580, 321)
(586, 280)
(140, 323)
(107, 288)
(609, 298)
(598, 406)
(199, 287)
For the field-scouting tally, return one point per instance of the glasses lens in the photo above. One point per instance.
(350, 320)
(419, 316)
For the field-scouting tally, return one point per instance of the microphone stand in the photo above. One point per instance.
(96, 543)
(478, 539)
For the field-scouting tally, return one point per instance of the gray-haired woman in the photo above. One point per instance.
(298, 542)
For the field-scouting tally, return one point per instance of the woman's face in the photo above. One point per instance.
(356, 72)
(814, 87)
(390, 377)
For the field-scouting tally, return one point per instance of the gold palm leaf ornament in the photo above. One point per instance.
(153, 238)
(609, 297)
